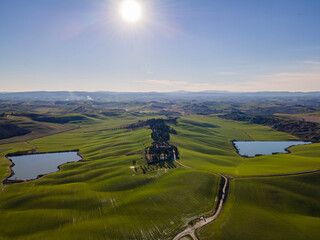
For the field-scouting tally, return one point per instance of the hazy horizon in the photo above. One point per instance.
(175, 91)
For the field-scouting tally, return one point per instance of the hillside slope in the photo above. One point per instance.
(8, 130)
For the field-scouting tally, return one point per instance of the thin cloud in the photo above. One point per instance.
(284, 81)
(313, 63)
(307, 81)
(165, 82)
(228, 73)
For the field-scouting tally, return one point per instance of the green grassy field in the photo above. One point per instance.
(102, 198)
(269, 208)
(206, 143)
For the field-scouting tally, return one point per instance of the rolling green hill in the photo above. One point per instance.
(269, 208)
(211, 148)
(103, 198)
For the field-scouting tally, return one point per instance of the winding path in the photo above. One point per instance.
(191, 230)
(179, 163)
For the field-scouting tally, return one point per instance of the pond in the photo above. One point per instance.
(254, 148)
(31, 166)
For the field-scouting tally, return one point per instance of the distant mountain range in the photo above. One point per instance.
(149, 96)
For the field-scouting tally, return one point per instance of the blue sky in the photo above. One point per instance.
(194, 45)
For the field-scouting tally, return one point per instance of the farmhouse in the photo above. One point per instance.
(160, 152)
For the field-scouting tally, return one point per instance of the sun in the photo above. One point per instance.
(131, 10)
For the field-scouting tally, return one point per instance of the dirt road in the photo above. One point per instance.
(191, 230)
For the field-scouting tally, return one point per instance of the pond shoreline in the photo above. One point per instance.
(7, 181)
(274, 153)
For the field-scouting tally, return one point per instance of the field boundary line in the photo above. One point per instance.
(278, 175)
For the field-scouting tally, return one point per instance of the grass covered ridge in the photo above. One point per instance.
(211, 148)
(102, 198)
(285, 208)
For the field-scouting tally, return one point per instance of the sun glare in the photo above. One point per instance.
(131, 10)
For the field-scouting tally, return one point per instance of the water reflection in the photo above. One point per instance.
(253, 148)
(30, 166)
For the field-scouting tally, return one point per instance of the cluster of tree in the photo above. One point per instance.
(160, 149)
(155, 166)
(161, 152)
(160, 130)
(306, 131)
(136, 125)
